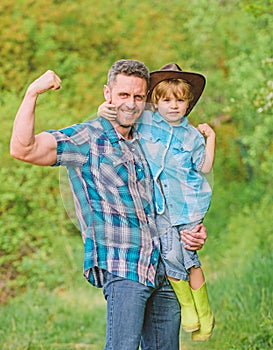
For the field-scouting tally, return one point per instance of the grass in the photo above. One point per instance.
(72, 317)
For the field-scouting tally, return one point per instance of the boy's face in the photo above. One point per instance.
(172, 109)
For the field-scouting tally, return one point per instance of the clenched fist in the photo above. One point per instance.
(48, 81)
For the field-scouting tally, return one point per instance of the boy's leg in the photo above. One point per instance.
(190, 320)
(197, 278)
(172, 255)
(178, 275)
(199, 295)
(204, 312)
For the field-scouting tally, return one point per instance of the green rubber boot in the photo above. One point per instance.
(182, 289)
(205, 315)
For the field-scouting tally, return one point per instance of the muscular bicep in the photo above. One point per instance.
(42, 151)
(46, 149)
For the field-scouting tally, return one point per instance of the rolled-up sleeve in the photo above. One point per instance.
(73, 145)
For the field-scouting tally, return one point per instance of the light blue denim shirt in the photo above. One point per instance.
(175, 155)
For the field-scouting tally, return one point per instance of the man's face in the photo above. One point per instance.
(128, 94)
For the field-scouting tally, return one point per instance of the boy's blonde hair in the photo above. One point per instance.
(179, 88)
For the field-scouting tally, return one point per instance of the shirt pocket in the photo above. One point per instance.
(181, 156)
(113, 170)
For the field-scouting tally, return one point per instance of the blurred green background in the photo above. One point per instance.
(45, 302)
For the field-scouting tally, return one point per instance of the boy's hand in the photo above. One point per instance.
(107, 110)
(206, 130)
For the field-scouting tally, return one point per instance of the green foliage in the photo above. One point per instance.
(31, 215)
(258, 7)
(251, 106)
(40, 248)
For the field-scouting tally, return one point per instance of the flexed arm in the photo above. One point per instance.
(210, 136)
(25, 145)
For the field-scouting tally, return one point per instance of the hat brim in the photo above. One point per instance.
(196, 80)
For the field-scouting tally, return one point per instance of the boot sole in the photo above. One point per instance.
(205, 337)
(191, 329)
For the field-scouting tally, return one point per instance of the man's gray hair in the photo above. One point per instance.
(128, 67)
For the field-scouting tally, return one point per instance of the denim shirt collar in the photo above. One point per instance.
(113, 136)
(159, 119)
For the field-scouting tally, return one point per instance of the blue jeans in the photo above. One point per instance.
(137, 314)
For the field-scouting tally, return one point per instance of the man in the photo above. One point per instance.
(113, 192)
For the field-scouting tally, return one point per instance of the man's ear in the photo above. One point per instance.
(107, 93)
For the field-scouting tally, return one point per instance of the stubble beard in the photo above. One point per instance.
(121, 120)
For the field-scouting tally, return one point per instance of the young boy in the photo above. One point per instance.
(178, 156)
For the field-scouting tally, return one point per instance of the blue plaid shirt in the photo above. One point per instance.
(113, 196)
(176, 155)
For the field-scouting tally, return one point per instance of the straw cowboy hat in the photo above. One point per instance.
(173, 71)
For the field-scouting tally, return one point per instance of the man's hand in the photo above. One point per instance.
(48, 81)
(194, 239)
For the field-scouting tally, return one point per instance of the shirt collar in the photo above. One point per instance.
(114, 136)
(159, 119)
